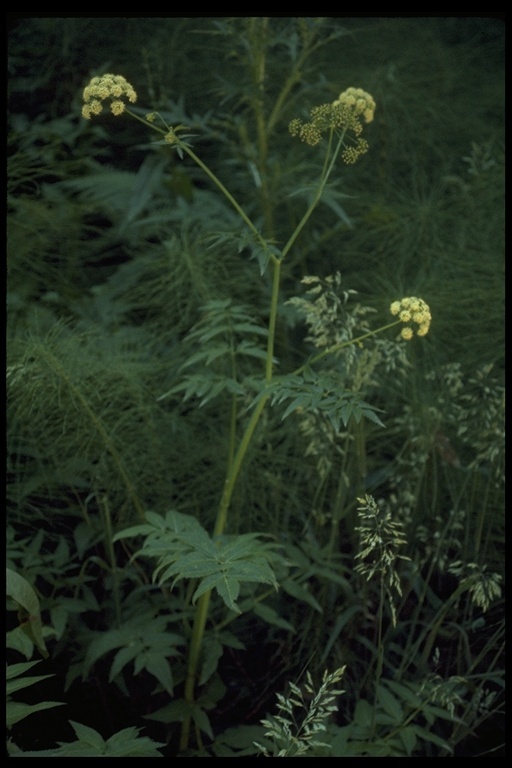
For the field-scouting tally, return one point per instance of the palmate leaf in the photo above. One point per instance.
(223, 565)
(324, 392)
(184, 550)
(144, 640)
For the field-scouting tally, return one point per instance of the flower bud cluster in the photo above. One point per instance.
(412, 310)
(113, 87)
(344, 114)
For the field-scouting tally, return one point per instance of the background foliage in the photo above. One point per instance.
(137, 309)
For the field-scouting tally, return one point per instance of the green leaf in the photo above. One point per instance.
(228, 588)
(16, 711)
(409, 738)
(88, 735)
(158, 666)
(271, 616)
(362, 721)
(25, 682)
(123, 657)
(128, 743)
(184, 550)
(404, 692)
(145, 640)
(321, 391)
(15, 670)
(19, 590)
(125, 743)
(299, 592)
(202, 721)
(425, 735)
(390, 704)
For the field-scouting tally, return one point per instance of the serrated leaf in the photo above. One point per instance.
(17, 711)
(227, 587)
(15, 670)
(321, 391)
(201, 719)
(158, 666)
(19, 590)
(88, 735)
(122, 658)
(190, 553)
(24, 682)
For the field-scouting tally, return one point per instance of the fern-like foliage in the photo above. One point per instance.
(221, 344)
(322, 391)
(184, 550)
(78, 405)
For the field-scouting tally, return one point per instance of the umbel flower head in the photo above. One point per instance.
(107, 87)
(410, 311)
(345, 114)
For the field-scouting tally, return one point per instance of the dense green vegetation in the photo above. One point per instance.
(247, 514)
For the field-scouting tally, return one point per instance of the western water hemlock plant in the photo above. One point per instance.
(226, 464)
(195, 555)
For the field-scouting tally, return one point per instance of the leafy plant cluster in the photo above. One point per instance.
(230, 482)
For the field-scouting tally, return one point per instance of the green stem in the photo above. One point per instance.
(336, 347)
(104, 506)
(326, 172)
(380, 657)
(218, 183)
(226, 193)
(235, 463)
(201, 614)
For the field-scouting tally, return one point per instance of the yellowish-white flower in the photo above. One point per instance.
(361, 102)
(100, 89)
(413, 312)
(343, 115)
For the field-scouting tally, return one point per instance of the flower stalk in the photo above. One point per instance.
(342, 119)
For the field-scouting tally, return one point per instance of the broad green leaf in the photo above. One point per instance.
(227, 588)
(409, 739)
(123, 657)
(15, 670)
(125, 743)
(88, 735)
(158, 666)
(425, 735)
(271, 616)
(23, 682)
(184, 550)
(202, 721)
(16, 710)
(299, 592)
(390, 704)
(19, 590)
(404, 692)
